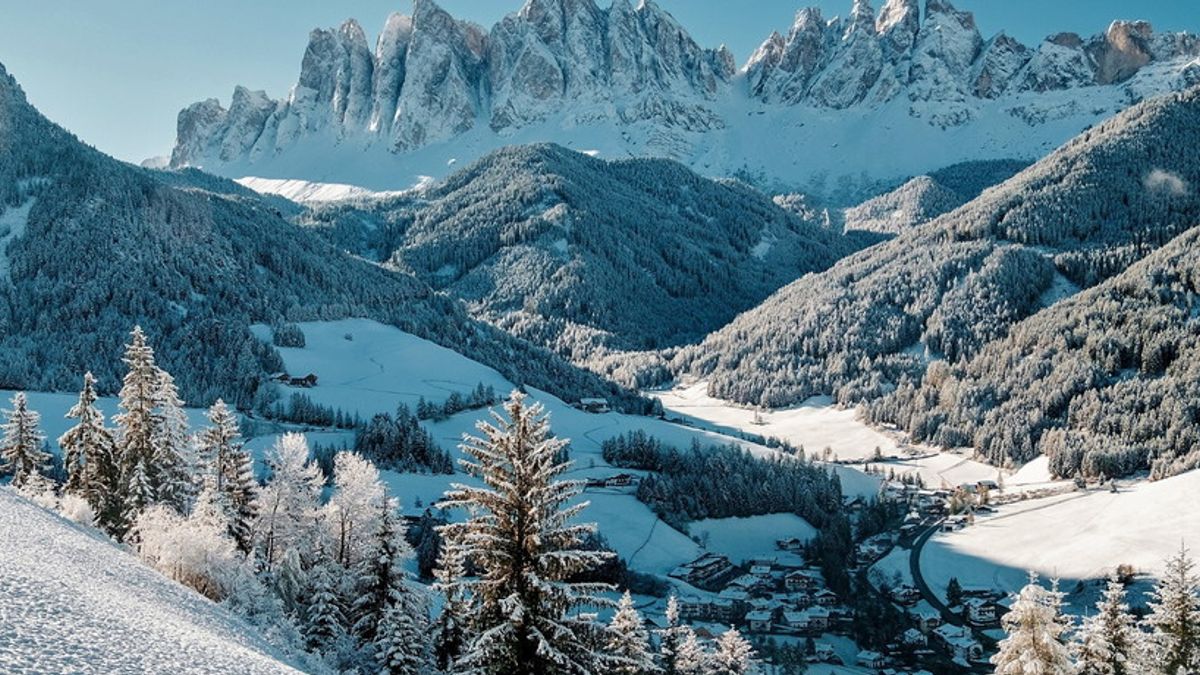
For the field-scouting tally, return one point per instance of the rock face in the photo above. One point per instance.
(432, 78)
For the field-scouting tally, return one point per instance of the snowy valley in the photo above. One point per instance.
(570, 345)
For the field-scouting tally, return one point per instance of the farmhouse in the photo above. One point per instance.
(759, 621)
(594, 405)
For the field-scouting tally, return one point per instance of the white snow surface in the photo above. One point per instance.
(752, 537)
(71, 601)
(1080, 535)
(379, 367)
(814, 425)
(310, 192)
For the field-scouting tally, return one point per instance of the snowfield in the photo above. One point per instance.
(71, 601)
(1076, 536)
(309, 192)
(368, 367)
(753, 537)
(814, 425)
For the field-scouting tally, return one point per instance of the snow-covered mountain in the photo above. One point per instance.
(630, 81)
(583, 255)
(74, 602)
(90, 246)
(943, 291)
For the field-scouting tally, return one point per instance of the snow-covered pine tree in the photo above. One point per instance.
(135, 424)
(402, 641)
(525, 542)
(1174, 618)
(288, 505)
(1035, 628)
(1105, 644)
(290, 582)
(733, 655)
(229, 471)
(325, 628)
(450, 628)
(21, 454)
(93, 471)
(692, 658)
(670, 638)
(391, 613)
(628, 644)
(172, 444)
(380, 575)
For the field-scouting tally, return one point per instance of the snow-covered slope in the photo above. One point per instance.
(1075, 536)
(73, 602)
(809, 110)
(309, 192)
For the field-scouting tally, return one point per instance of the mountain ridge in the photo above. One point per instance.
(632, 81)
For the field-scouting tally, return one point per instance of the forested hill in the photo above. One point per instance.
(89, 246)
(1104, 383)
(944, 289)
(585, 255)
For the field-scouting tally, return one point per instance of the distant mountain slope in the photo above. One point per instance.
(922, 83)
(924, 198)
(1106, 382)
(946, 288)
(581, 255)
(93, 246)
(74, 602)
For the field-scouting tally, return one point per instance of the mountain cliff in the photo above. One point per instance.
(630, 80)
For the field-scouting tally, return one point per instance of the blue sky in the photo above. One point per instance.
(116, 72)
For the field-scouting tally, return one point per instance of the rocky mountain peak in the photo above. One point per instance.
(570, 63)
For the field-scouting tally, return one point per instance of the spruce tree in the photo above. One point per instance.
(21, 454)
(325, 627)
(522, 538)
(1105, 643)
(381, 576)
(135, 424)
(692, 658)
(670, 639)
(628, 645)
(172, 443)
(93, 471)
(450, 629)
(229, 471)
(732, 656)
(1035, 627)
(1174, 618)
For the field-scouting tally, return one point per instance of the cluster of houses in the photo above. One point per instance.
(768, 598)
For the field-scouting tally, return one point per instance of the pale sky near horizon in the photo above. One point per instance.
(116, 73)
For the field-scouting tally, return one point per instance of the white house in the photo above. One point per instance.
(870, 659)
(759, 621)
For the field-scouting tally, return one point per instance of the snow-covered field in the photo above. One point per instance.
(744, 538)
(368, 367)
(71, 602)
(814, 425)
(1073, 536)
